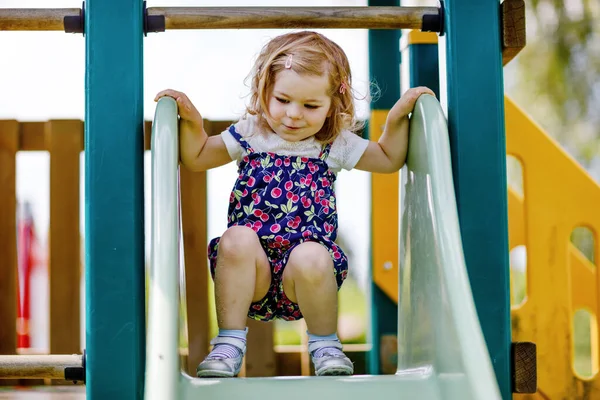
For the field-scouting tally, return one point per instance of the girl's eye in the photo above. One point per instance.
(310, 106)
(284, 101)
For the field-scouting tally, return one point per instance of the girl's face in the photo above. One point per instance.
(298, 105)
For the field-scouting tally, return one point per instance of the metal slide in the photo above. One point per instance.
(442, 353)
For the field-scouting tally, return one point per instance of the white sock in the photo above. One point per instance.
(225, 350)
(321, 350)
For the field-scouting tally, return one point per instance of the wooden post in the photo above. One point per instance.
(260, 357)
(514, 35)
(9, 142)
(194, 222)
(64, 141)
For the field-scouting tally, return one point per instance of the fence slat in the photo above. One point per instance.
(194, 221)
(32, 136)
(9, 141)
(260, 357)
(64, 141)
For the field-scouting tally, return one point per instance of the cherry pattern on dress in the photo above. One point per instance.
(286, 200)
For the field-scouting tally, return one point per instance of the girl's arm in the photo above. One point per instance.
(389, 153)
(198, 151)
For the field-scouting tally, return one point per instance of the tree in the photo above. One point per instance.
(556, 78)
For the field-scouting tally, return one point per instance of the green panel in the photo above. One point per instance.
(424, 70)
(114, 200)
(383, 45)
(475, 107)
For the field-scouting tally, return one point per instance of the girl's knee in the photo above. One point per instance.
(310, 261)
(238, 241)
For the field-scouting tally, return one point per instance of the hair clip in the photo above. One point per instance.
(288, 62)
(343, 87)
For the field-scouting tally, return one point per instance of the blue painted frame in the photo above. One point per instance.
(474, 98)
(114, 207)
(384, 314)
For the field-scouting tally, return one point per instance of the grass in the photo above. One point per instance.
(352, 324)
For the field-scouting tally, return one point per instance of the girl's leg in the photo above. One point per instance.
(309, 281)
(242, 275)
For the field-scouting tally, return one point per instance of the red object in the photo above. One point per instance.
(26, 242)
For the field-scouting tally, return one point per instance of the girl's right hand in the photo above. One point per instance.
(187, 110)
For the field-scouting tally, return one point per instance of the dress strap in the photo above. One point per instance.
(240, 139)
(325, 151)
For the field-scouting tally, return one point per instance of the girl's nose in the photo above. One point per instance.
(293, 111)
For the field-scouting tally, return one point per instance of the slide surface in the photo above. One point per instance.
(441, 350)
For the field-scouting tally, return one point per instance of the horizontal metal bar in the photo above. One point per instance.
(293, 17)
(36, 19)
(38, 367)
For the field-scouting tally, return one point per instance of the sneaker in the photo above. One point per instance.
(218, 366)
(332, 362)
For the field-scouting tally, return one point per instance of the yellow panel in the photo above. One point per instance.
(559, 196)
(583, 278)
(417, 37)
(385, 219)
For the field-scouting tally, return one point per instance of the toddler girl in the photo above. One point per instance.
(278, 258)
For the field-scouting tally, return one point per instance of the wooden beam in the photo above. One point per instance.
(36, 19)
(35, 367)
(293, 17)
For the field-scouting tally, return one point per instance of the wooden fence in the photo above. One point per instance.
(64, 141)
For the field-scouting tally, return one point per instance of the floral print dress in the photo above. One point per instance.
(286, 200)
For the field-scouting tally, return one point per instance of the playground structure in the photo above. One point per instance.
(109, 363)
(442, 353)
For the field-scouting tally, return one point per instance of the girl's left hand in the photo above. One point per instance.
(406, 104)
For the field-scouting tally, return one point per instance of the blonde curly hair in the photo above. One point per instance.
(313, 54)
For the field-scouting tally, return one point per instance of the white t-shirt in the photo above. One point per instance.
(345, 151)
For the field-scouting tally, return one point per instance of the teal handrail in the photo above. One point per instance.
(162, 351)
